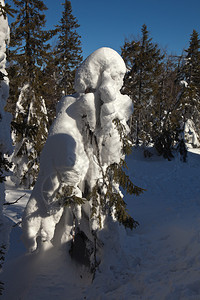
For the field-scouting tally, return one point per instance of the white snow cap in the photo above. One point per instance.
(88, 75)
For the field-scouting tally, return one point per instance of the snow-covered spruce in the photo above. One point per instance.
(5, 118)
(77, 197)
(5, 138)
(29, 136)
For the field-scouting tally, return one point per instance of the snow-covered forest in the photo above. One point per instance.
(100, 161)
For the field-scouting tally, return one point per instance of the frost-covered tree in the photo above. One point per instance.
(144, 62)
(68, 51)
(5, 118)
(77, 202)
(31, 132)
(29, 55)
(191, 103)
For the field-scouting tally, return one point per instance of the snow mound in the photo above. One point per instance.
(103, 61)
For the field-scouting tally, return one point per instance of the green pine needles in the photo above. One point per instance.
(2, 259)
(66, 197)
(105, 198)
(105, 195)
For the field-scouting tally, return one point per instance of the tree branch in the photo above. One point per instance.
(11, 203)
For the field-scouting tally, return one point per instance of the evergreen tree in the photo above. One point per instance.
(144, 62)
(5, 9)
(191, 105)
(68, 52)
(166, 109)
(5, 118)
(51, 91)
(31, 132)
(28, 56)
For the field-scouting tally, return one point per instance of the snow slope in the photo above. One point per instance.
(161, 257)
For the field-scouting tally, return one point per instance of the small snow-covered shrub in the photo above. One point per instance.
(77, 198)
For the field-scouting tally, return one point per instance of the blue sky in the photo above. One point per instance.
(109, 22)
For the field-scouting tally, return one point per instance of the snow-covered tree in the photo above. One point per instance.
(29, 55)
(77, 197)
(191, 103)
(31, 132)
(5, 119)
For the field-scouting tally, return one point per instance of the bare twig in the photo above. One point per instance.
(11, 203)
(17, 224)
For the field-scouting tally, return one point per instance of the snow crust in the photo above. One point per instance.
(82, 143)
(161, 258)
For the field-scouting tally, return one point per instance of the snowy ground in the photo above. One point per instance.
(161, 257)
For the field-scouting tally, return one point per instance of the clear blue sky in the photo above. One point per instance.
(109, 22)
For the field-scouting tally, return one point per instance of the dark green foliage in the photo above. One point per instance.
(28, 56)
(182, 150)
(106, 198)
(126, 143)
(105, 195)
(166, 119)
(144, 62)
(119, 176)
(28, 47)
(2, 259)
(165, 91)
(6, 10)
(68, 51)
(1, 288)
(2, 75)
(164, 144)
(66, 197)
(116, 174)
(5, 165)
(2, 254)
(191, 73)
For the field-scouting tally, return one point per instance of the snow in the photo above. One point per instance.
(104, 61)
(161, 257)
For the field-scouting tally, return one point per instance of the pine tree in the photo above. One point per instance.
(144, 62)
(191, 105)
(28, 56)
(5, 9)
(68, 52)
(31, 132)
(166, 109)
(51, 92)
(5, 118)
